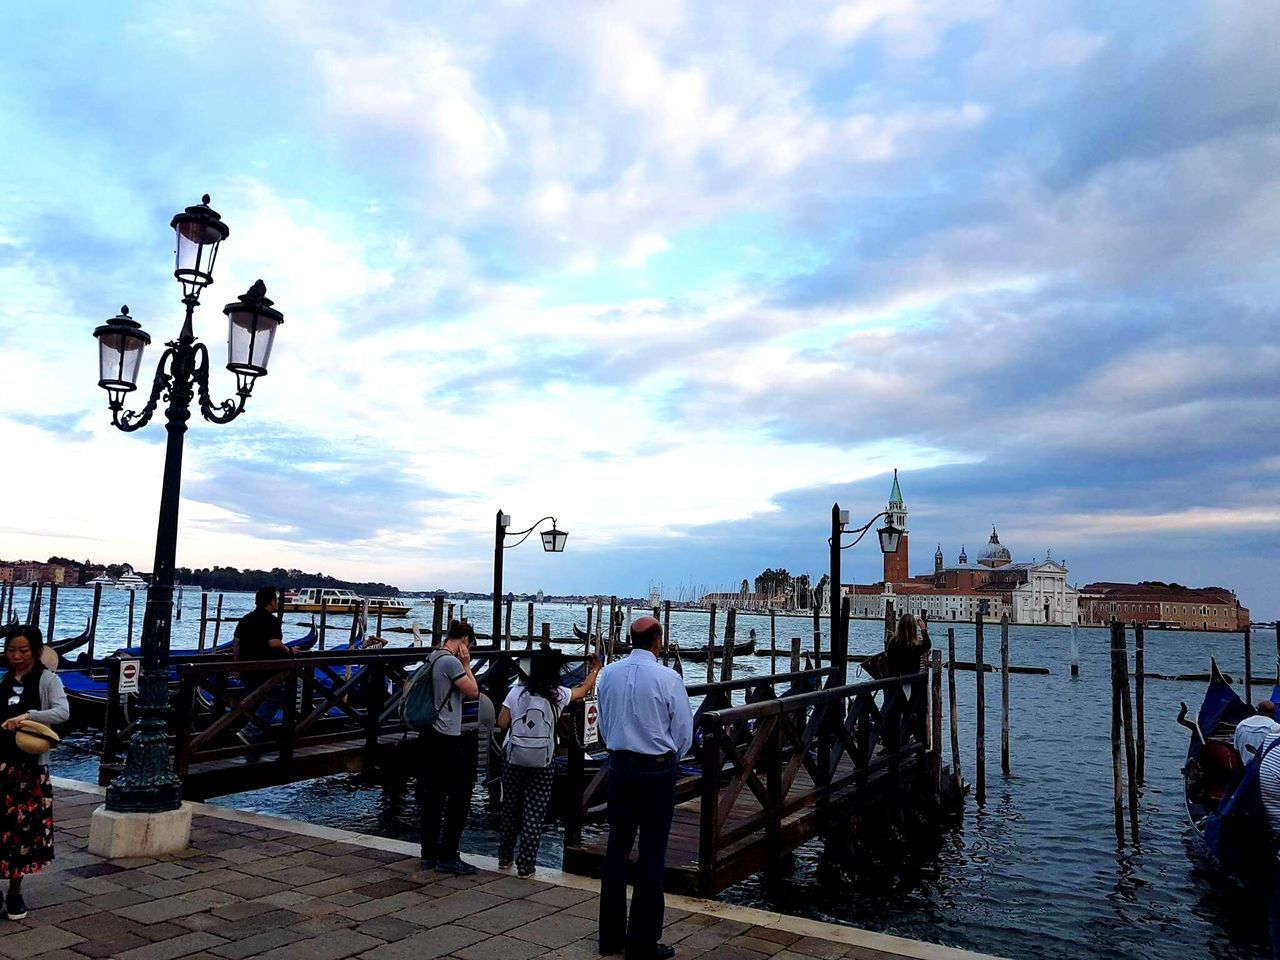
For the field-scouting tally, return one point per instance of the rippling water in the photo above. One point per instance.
(1035, 874)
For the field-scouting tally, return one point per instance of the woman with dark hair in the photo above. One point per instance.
(28, 691)
(529, 715)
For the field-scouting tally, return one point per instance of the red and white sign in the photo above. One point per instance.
(130, 670)
(591, 723)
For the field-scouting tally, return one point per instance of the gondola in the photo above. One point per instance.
(699, 654)
(67, 645)
(1222, 800)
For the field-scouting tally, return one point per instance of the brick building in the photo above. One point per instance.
(1162, 605)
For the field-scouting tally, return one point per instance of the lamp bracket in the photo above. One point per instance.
(129, 420)
(861, 531)
(227, 410)
(524, 534)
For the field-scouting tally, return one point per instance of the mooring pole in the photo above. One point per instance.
(1139, 684)
(1116, 774)
(1004, 693)
(132, 598)
(204, 618)
(773, 640)
(817, 636)
(711, 646)
(795, 654)
(951, 703)
(730, 631)
(666, 631)
(1075, 654)
(324, 617)
(506, 630)
(53, 611)
(935, 714)
(528, 639)
(980, 665)
(1248, 667)
(93, 618)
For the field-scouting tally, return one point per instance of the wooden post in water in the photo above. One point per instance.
(53, 612)
(93, 618)
(980, 754)
(506, 630)
(730, 630)
(711, 646)
(1075, 654)
(546, 633)
(817, 635)
(1139, 684)
(204, 618)
(890, 623)
(795, 654)
(528, 637)
(1248, 667)
(951, 702)
(935, 714)
(1130, 751)
(129, 641)
(33, 608)
(1004, 693)
(437, 622)
(1116, 774)
(324, 617)
(1277, 648)
(613, 625)
(586, 644)
(773, 640)
(666, 631)
(451, 606)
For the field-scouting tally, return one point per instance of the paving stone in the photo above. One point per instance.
(328, 887)
(773, 934)
(387, 905)
(155, 911)
(317, 926)
(111, 946)
(503, 917)
(158, 931)
(556, 930)
(160, 889)
(727, 951)
(239, 911)
(93, 885)
(285, 898)
(258, 943)
(386, 888)
(866, 953)
(587, 908)
(168, 870)
(34, 942)
(210, 897)
(583, 950)
(428, 945)
(248, 926)
(758, 944)
(172, 948)
(99, 869)
(298, 876)
(97, 925)
(500, 948)
(70, 910)
(347, 898)
(116, 900)
(252, 887)
(814, 947)
(560, 897)
(464, 903)
(332, 946)
(513, 888)
(388, 928)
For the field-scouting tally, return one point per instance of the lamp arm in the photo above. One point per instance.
(128, 420)
(861, 531)
(524, 534)
(229, 409)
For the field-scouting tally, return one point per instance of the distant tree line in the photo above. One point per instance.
(231, 578)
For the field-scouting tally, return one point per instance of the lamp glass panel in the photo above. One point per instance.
(553, 540)
(197, 249)
(119, 359)
(250, 336)
(890, 537)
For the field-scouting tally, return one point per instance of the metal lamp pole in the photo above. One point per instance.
(148, 784)
(553, 541)
(890, 536)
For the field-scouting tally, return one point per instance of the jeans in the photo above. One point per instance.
(446, 771)
(271, 703)
(642, 799)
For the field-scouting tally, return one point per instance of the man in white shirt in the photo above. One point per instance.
(647, 724)
(1254, 731)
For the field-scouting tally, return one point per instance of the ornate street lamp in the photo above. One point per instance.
(553, 541)
(890, 537)
(148, 784)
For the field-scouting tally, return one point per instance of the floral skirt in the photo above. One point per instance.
(26, 818)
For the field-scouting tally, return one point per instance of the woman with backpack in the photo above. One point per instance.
(529, 716)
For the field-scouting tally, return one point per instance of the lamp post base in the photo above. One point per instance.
(115, 835)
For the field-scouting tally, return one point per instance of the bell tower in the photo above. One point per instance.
(896, 565)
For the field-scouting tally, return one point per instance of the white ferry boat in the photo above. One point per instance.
(130, 581)
(313, 599)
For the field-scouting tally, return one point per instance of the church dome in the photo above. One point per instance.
(995, 554)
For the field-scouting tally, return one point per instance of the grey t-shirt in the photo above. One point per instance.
(446, 670)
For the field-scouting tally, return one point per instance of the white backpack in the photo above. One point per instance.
(531, 741)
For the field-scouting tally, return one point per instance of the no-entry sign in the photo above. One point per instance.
(591, 723)
(129, 672)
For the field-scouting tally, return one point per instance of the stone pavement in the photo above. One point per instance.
(253, 886)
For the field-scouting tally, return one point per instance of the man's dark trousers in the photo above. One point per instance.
(445, 776)
(642, 798)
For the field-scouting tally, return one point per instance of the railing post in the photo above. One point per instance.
(375, 690)
(576, 780)
(186, 714)
(772, 758)
(289, 720)
(710, 807)
(112, 711)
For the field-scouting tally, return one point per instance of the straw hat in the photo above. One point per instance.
(35, 738)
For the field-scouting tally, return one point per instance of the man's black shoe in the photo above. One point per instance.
(609, 951)
(427, 863)
(664, 951)
(458, 867)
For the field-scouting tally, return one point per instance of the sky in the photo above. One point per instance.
(680, 275)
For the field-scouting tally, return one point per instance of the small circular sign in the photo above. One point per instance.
(128, 670)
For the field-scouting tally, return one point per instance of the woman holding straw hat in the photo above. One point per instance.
(31, 697)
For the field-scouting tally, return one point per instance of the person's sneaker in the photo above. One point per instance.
(14, 907)
(664, 951)
(526, 876)
(505, 864)
(459, 867)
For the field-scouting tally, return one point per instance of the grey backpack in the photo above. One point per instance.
(531, 741)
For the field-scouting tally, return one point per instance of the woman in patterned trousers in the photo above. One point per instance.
(526, 788)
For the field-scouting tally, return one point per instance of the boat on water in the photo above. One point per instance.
(743, 648)
(1163, 625)
(331, 600)
(102, 580)
(130, 581)
(1222, 799)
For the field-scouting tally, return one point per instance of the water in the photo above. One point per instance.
(1035, 873)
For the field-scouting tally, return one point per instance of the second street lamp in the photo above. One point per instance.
(890, 537)
(148, 783)
(553, 541)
